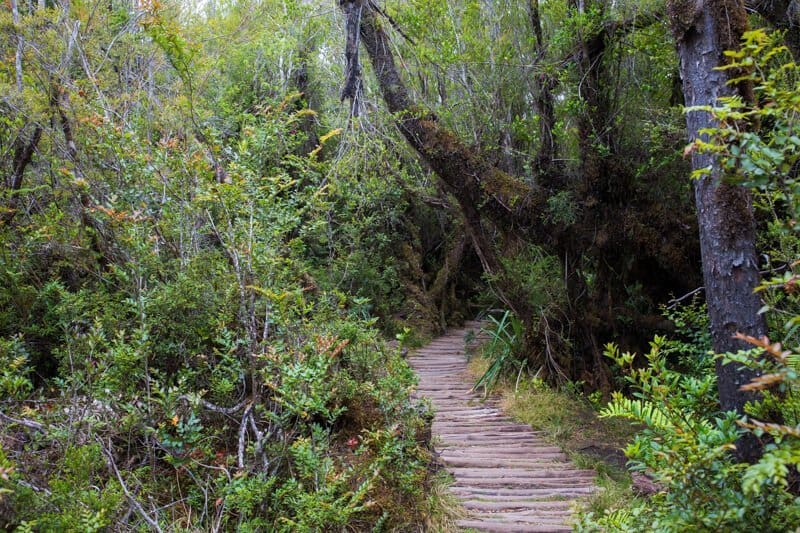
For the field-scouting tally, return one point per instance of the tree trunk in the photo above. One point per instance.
(544, 105)
(724, 211)
(20, 44)
(23, 154)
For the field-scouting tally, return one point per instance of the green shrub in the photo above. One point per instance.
(685, 447)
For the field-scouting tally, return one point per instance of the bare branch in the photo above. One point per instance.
(31, 424)
(243, 435)
(259, 447)
(675, 301)
(212, 407)
(112, 465)
(393, 22)
(34, 488)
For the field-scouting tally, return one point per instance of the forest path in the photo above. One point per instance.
(507, 477)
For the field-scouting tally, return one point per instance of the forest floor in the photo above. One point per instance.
(507, 476)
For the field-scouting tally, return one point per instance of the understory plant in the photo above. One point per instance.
(185, 343)
(502, 350)
(538, 279)
(686, 446)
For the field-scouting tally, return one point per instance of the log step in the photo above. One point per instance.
(507, 477)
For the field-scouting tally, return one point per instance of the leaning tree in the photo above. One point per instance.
(623, 238)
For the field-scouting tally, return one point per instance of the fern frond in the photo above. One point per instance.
(642, 411)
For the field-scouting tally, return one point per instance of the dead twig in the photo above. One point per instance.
(228, 411)
(259, 447)
(31, 424)
(112, 466)
(243, 435)
(675, 301)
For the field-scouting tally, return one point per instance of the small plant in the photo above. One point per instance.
(502, 350)
(14, 370)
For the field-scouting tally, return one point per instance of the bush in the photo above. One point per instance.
(686, 447)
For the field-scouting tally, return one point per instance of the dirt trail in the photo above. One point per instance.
(506, 476)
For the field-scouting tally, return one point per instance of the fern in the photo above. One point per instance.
(642, 411)
(618, 519)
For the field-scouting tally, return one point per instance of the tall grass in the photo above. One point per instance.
(506, 335)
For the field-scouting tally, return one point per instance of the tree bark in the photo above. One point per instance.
(301, 81)
(352, 85)
(724, 211)
(544, 105)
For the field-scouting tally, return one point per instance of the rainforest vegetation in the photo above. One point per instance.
(224, 223)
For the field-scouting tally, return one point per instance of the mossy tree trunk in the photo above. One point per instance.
(703, 31)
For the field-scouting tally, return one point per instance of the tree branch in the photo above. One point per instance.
(23, 154)
(228, 411)
(30, 424)
(112, 465)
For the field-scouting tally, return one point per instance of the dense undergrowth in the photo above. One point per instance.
(190, 286)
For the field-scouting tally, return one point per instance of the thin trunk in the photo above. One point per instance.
(20, 44)
(300, 79)
(23, 154)
(724, 211)
(545, 84)
(352, 86)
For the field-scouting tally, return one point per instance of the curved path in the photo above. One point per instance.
(507, 477)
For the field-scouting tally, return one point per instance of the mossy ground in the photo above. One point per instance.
(443, 508)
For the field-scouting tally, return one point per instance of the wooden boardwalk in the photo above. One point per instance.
(507, 478)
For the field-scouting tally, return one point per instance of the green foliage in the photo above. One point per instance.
(536, 278)
(80, 498)
(778, 383)
(15, 382)
(562, 208)
(190, 290)
(685, 447)
(502, 350)
(757, 142)
(690, 344)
